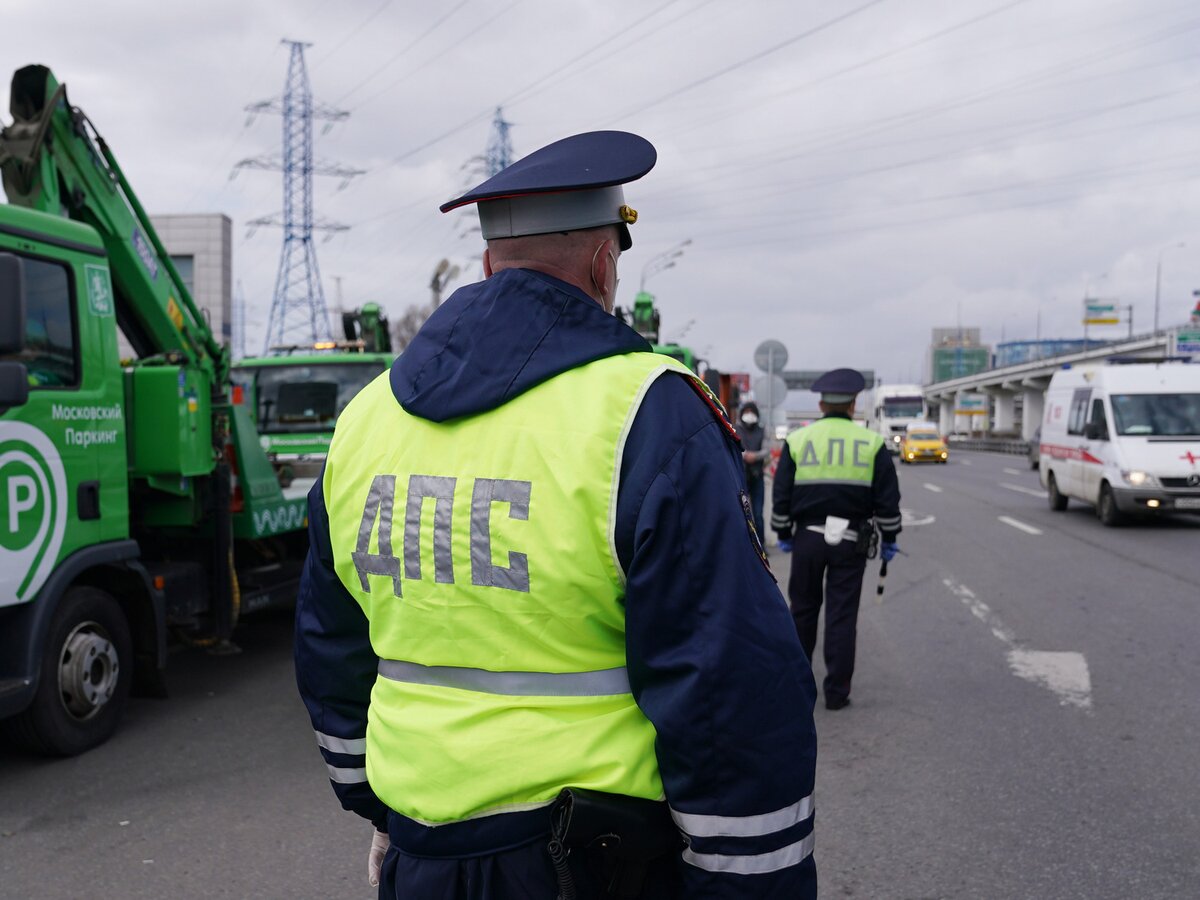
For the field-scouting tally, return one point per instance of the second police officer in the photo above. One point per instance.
(834, 486)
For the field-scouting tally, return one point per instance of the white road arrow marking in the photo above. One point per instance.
(1064, 673)
(1019, 525)
(934, 488)
(908, 517)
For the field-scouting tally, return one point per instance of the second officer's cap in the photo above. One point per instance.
(569, 185)
(839, 385)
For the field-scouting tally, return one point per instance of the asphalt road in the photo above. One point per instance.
(1026, 719)
(1026, 723)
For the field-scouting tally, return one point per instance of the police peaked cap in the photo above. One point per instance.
(569, 185)
(839, 385)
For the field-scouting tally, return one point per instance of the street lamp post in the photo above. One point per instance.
(1158, 279)
(663, 261)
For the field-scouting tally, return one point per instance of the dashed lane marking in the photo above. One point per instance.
(964, 462)
(1063, 673)
(933, 487)
(1008, 471)
(1021, 489)
(1019, 525)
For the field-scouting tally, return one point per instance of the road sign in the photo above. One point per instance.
(771, 356)
(1100, 312)
(1187, 342)
(770, 391)
(802, 379)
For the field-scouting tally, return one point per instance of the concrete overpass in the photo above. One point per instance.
(1018, 392)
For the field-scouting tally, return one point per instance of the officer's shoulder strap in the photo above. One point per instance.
(704, 393)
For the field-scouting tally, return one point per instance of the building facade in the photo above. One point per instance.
(201, 247)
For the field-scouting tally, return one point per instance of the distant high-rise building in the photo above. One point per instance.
(955, 352)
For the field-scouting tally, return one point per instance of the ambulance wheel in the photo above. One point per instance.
(86, 671)
(1058, 502)
(1106, 508)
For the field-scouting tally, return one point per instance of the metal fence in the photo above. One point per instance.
(992, 445)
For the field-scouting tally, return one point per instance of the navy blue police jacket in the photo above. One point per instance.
(800, 505)
(713, 658)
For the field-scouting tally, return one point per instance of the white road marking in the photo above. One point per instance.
(908, 517)
(934, 488)
(1064, 673)
(964, 462)
(1021, 489)
(1012, 472)
(1019, 525)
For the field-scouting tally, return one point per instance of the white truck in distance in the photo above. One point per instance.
(892, 408)
(1124, 438)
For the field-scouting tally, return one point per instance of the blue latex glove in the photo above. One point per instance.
(888, 550)
(785, 545)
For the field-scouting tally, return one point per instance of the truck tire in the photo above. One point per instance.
(86, 671)
(1106, 507)
(1058, 502)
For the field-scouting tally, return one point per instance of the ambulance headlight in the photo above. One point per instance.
(1138, 478)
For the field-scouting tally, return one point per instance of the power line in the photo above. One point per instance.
(353, 31)
(437, 54)
(753, 58)
(414, 42)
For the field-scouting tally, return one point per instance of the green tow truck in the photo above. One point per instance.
(297, 393)
(644, 319)
(135, 499)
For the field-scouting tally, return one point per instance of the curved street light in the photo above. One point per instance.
(1158, 278)
(661, 262)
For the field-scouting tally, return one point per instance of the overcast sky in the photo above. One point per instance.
(850, 173)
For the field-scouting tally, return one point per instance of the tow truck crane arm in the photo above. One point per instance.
(53, 160)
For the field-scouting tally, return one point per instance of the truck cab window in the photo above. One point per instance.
(49, 355)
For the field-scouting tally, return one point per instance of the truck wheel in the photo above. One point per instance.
(1106, 507)
(1058, 502)
(85, 675)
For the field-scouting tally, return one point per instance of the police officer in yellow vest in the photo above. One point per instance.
(834, 486)
(533, 568)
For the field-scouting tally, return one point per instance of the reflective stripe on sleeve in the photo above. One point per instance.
(351, 746)
(853, 482)
(744, 826)
(780, 522)
(346, 776)
(758, 864)
(889, 523)
(600, 683)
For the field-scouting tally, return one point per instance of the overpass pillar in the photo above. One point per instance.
(946, 416)
(1004, 403)
(1035, 408)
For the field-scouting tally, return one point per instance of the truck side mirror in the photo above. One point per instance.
(12, 305)
(14, 385)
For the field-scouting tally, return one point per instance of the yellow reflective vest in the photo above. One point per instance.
(834, 450)
(482, 552)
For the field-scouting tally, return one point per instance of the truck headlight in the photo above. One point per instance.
(1138, 478)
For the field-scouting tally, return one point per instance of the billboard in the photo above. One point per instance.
(955, 362)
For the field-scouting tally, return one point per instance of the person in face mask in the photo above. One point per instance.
(532, 607)
(754, 456)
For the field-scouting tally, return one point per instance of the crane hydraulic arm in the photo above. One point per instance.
(54, 161)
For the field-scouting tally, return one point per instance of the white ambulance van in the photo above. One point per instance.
(1124, 437)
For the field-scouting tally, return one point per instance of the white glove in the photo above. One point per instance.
(379, 846)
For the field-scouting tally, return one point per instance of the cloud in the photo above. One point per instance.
(845, 193)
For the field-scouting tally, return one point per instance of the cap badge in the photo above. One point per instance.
(628, 214)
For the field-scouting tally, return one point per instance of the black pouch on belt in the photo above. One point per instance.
(867, 543)
(619, 837)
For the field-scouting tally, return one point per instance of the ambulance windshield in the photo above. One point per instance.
(1157, 415)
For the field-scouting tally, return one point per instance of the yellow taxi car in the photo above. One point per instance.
(923, 445)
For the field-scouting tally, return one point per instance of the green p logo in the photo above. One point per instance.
(33, 488)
